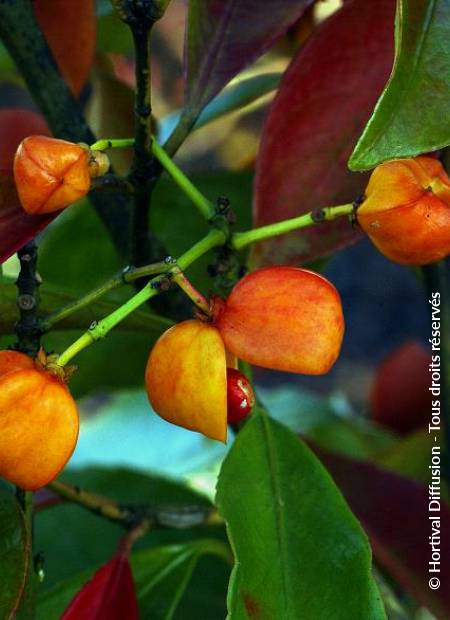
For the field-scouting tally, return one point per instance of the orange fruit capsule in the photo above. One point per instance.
(284, 318)
(406, 211)
(38, 422)
(279, 317)
(186, 378)
(51, 174)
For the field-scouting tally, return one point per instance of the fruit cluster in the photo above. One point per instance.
(282, 318)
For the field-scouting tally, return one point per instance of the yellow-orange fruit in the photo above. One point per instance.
(406, 210)
(38, 422)
(283, 318)
(186, 378)
(50, 174)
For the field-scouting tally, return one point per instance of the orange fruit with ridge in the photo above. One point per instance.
(38, 421)
(51, 174)
(406, 210)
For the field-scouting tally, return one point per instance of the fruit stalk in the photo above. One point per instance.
(205, 207)
(101, 328)
(199, 300)
(126, 276)
(327, 214)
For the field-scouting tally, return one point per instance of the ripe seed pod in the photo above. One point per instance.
(406, 211)
(282, 318)
(186, 378)
(38, 422)
(240, 396)
(51, 174)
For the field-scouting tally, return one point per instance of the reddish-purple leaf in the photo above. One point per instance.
(109, 594)
(394, 512)
(16, 227)
(324, 101)
(224, 36)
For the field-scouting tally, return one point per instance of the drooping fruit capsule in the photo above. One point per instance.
(51, 174)
(282, 318)
(38, 422)
(186, 378)
(400, 398)
(406, 211)
(240, 396)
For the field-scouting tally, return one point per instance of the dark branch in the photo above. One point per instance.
(28, 282)
(27, 46)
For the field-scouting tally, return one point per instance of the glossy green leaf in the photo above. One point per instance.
(327, 420)
(408, 118)
(14, 553)
(297, 545)
(161, 576)
(52, 299)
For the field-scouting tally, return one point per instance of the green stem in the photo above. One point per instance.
(205, 207)
(99, 330)
(327, 214)
(115, 143)
(124, 277)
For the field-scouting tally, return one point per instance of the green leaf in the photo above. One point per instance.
(297, 545)
(408, 118)
(161, 576)
(328, 420)
(14, 553)
(75, 252)
(113, 35)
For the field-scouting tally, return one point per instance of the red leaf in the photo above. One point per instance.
(16, 227)
(70, 29)
(224, 36)
(110, 594)
(324, 101)
(394, 512)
